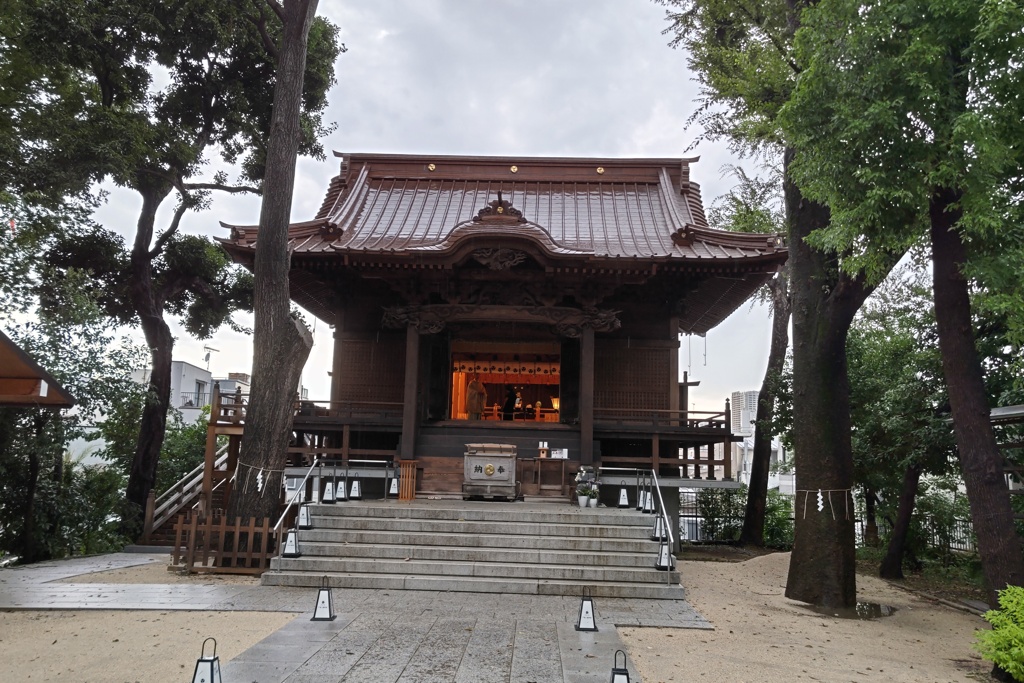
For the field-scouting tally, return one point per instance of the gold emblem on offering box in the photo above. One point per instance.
(489, 470)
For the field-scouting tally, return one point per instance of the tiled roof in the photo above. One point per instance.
(637, 209)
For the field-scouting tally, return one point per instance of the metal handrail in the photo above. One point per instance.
(301, 487)
(668, 527)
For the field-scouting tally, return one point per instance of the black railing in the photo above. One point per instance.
(194, 399)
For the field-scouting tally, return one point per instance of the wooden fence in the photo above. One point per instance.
(215, 545)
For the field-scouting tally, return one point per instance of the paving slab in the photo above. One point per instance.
(383, 636)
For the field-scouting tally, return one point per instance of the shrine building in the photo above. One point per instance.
(532, 302)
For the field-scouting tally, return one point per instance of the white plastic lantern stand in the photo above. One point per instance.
(585, 622)
(356, 492)
(324, 610)
(619, 674)
(291, 544)
(649, 502)
(393, 490)
(641, 491)
(305, 520)
(340, 487)
(623, 496)
(658, 533)
(207, 668)
(665, 559)
(329, 496)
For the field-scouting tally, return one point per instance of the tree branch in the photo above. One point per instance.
(233, 189)
(261, 24)
(277, 8)
(779, 47)
(173, 228)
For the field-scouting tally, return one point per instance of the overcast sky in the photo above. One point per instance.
(503, 77)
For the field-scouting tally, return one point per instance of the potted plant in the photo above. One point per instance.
(592, 495)
(583, 490)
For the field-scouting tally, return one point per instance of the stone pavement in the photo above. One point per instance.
(378, 635)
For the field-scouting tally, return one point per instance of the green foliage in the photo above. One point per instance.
(898, 99)
(898, 402)
(778, 520)
(50, 506)
(740, 54)
(722, 512)
(90, 498)
(1004, 644)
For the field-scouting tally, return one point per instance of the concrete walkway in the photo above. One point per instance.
(379, 636)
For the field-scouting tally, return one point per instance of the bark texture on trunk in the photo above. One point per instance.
(822, 565)
(281, 343)
(980, 459)
(153, 423)
(892, 564)
(757, 493)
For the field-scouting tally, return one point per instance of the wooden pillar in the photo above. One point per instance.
(587, 396)
(409, 407)
(206, 499)
(336, 361)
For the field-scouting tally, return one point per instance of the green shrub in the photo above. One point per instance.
(778, 520)
(1004, 644)
(722, 512)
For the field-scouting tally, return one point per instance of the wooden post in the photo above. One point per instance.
(409, 406)
(206, 499)
(147, 526)
(587, 396)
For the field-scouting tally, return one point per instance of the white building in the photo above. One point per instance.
(743, 461)
(744, 412)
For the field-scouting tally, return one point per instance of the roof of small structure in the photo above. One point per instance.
(24, 384)
(598, 215)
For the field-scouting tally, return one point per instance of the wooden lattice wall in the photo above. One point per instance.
(372, 370)
(632, 378)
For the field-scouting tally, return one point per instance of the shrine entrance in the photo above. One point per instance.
(520, 381)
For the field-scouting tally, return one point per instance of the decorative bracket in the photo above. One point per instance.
(499, 210)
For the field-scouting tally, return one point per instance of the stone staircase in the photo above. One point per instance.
(478, 546)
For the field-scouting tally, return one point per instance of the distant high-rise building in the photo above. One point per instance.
(744, 411)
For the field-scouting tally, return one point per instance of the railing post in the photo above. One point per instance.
(147, 526)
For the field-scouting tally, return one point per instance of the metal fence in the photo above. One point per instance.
(726, 523)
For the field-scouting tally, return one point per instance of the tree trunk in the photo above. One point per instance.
(281, 343)
(757, 493)
(822, 565)
(153, 423)
(980, 460)
(892, 563)
(30, 550)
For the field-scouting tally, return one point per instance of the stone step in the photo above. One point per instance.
(510, 512)
(494, 555)
(512, 543)
(488, 570)
(654, 591)
(432, 526)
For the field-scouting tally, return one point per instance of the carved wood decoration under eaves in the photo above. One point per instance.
(499, 211)
(500, 258)
(564, 321)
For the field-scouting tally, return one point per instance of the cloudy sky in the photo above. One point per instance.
(502, 77)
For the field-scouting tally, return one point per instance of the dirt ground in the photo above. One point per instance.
(761, 636)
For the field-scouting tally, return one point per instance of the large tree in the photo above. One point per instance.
(282, 341)
(908, 121)
(741, 53)
(144, 93)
